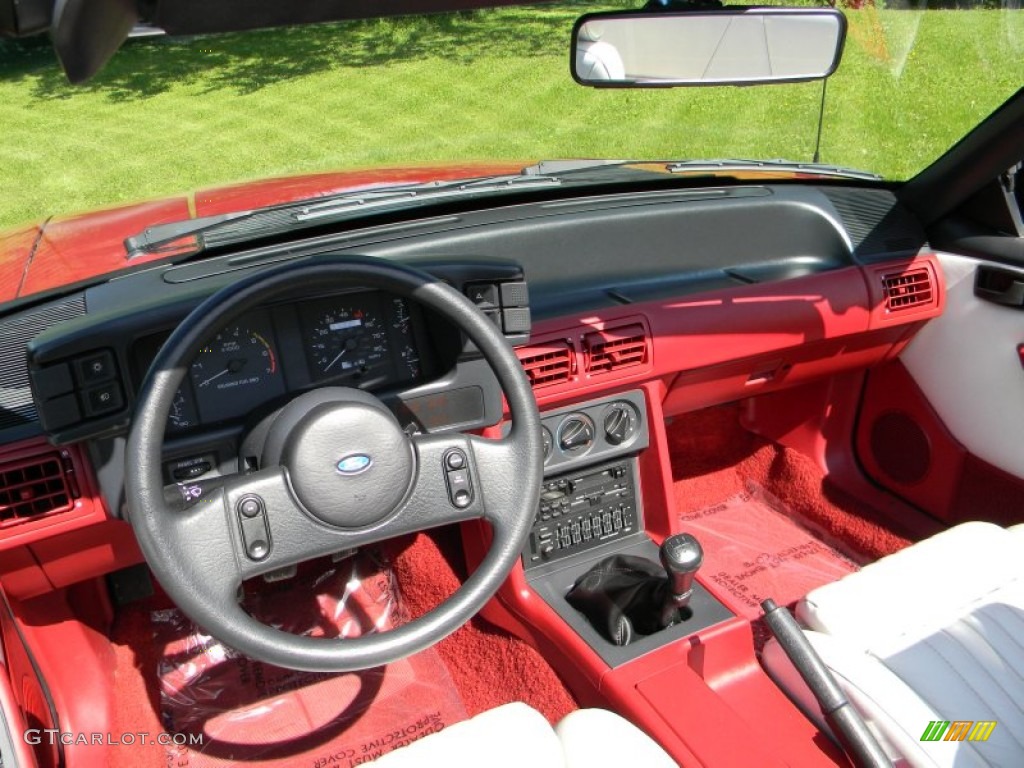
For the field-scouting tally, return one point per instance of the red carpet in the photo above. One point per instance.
(487, 665)
(300, 717)
(714, 458)
(752, 552)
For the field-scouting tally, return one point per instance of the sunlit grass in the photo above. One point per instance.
(168, 116)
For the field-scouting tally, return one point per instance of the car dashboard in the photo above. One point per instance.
(715, 293)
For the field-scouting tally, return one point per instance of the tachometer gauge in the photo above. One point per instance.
(236, 371)
(347, 340)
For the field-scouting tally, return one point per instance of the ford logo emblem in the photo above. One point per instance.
(354, 464)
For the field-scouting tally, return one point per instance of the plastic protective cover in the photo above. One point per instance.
(754, 549)
(244, 710)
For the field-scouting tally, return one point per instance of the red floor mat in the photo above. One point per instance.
(753, 551)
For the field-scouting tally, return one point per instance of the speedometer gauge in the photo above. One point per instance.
(347, 339)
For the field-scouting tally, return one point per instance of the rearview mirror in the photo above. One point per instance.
(726, 46)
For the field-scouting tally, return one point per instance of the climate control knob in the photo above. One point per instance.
(620, 423)
(576, 434)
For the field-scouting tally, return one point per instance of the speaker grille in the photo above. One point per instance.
(900, 447)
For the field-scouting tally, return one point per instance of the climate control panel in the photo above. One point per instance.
(594, 431)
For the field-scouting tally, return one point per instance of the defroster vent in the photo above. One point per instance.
(40, 485)
(905, 290)
(615, 348)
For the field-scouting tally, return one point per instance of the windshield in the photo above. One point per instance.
(169, 115)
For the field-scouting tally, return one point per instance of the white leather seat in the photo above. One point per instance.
(516, 735)
(934, 632)
(596, 59)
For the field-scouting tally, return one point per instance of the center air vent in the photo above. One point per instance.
(905, 290)
(547, 364)
(615, 348)
(40, 485)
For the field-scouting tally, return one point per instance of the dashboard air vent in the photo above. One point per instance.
(615, 348)
(36, 486)
(547, 364)
(905, 290)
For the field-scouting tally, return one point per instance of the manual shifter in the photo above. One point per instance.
(625, 596)
(681, 555)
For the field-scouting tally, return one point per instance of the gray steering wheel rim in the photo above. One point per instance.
(145, 488)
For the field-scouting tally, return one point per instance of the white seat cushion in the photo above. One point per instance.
(601, 739)
(934, 632)
(515, 735)
(510, 736)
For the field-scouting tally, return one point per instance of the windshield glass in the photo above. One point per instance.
(169, 115)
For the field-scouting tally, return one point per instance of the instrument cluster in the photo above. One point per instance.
(365, 340)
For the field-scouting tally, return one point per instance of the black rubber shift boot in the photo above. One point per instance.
(623, 597)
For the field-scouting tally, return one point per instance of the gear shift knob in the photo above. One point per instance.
(681, 556)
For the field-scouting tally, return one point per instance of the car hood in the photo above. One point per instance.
(62, 250)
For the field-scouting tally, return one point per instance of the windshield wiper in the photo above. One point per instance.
(741, 164)
(240, 226)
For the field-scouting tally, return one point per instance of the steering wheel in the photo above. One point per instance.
(337, 472)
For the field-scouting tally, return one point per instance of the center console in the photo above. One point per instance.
(591, 509)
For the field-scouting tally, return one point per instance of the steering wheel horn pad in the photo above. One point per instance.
(349, 462)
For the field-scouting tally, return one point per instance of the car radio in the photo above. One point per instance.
(582, 510)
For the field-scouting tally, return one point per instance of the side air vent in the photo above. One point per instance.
(37, 486)
(909, 289)
(615, 348)
(548, 364)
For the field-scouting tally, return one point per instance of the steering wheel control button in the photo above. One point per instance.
(455, 460)
(253, 524)
(103, 399)
(258, 549)
(250, 507)
(350, 463)
(460, 487)
(94, 368)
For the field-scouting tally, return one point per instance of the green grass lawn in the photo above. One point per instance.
(171, 115)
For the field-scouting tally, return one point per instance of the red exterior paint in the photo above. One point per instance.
(74, 248)
(78, 247)
(15, 250)
(276, 191)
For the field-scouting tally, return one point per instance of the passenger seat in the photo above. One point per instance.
(931, 634)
